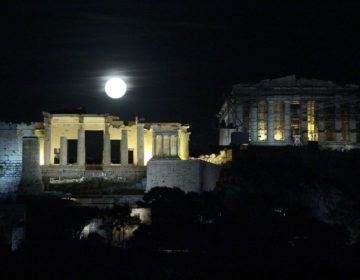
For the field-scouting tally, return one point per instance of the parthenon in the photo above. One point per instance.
(292, 111)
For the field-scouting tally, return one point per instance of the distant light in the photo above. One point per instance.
(115, 88)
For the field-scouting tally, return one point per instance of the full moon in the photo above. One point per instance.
(115, 88)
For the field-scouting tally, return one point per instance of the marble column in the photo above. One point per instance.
(63, 150)
(167, 145)
(177, 145)
(287, 121)
(107, 147)
(303, 122)
(186, 145)
(124, 147)
(321, 123)
(140, 144)
(47, 141)
(159, 145)
(270, 121)
(153, 144)
(81, 147)
(240, 117)
(338, 125)
(352, 123)
(254, 122)
(173, 146)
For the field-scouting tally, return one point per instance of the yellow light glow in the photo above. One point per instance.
(40, 135)
(147, 156)
(278, 121)
(311, 124)
(278, 135)
(115, 88)
(262, 121)
(262, 135)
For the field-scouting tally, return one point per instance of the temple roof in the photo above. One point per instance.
(292, 81)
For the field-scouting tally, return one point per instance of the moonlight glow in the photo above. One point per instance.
(115, 88)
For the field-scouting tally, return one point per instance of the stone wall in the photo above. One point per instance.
(188, 175)
(10, 158)
(129, 173)
(11, 136)
(31, 179)
(210, 175)
(107, 201)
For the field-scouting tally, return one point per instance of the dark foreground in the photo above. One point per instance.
(276, 214)
(89, 260)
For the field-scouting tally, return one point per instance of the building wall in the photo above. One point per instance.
(31, 179)
(10, 158)
(41, 140)
(11, 154)
(69, 125)
(188, 175)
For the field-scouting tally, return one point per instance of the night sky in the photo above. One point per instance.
(179, 58)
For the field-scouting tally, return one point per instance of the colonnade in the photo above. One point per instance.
(81, 153)
(311, 122)
(270, 135)
(164, 144)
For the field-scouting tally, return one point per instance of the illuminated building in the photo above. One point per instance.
(81, 148)
(292, 111)
(136, 141)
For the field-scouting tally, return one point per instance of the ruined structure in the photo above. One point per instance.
(79, 146)
(292, 111)
(93, 149)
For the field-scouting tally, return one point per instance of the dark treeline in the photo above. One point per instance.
(276, 213)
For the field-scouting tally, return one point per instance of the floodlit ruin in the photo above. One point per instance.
(106, 141)
(292, 111)
(98, 149)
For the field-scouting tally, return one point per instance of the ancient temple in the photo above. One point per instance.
(78, 148)
(63, 140)
(291, 111)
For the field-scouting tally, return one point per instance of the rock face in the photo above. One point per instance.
(188, 175)
(31, 181)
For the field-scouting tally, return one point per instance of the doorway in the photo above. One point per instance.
(94, 143)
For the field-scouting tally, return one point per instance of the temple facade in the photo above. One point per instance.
(63, 140)
(291, 111)
(87, 149)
